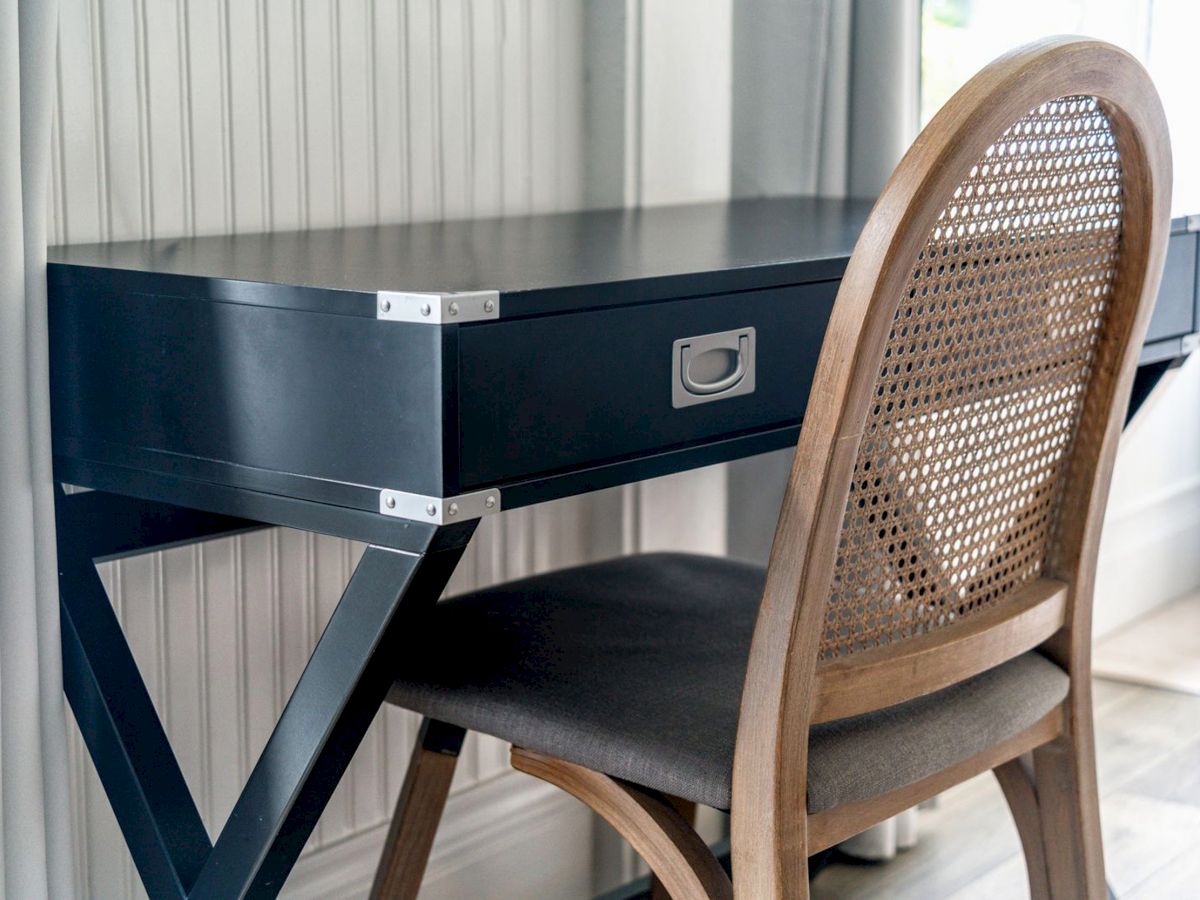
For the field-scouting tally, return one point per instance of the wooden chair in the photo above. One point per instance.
(926, 613)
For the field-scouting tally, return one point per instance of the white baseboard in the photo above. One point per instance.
(512, 836)
(1149, 555)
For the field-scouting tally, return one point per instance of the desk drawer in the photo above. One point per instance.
(551, 392)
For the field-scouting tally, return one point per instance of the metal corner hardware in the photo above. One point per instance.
(1190, 343)
(439, 510)
(1193, 223)
(437, 308)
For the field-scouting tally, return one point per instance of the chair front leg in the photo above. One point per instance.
(1016, 780)
(418, 811)
(1064, 772)
(659, 834)
(687, 810)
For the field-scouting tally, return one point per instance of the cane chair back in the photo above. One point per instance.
(958, 482)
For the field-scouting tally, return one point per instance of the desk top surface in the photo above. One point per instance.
(538, 263)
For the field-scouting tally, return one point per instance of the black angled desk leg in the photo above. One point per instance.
(1145, 380)
(121, 728)
(338, 695)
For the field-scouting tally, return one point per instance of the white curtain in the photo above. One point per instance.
(35, 831)
(826, 102)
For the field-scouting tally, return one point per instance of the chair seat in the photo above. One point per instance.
(634, 667)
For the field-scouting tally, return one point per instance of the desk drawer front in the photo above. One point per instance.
(541, 394)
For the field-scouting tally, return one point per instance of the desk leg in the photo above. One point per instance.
(1145, 380)
(339, 693)
(123, 733)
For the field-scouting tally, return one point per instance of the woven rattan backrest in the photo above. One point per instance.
(944, 508)
(959, 478)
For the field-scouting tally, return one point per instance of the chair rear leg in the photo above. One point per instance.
(418, 811)
(1064, 772)
(687, 811)
(659, 834)
(1016, 780)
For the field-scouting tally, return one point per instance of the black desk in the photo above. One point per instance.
(393, 385)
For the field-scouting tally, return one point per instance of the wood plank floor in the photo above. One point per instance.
(1148, 756)
(1161, 649)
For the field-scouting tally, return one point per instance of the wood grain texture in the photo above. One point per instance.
(911, 668)
(1016, 780)
(1146, 740)
(687, 811)
(655, 829)
(418, 811)
(770, 840)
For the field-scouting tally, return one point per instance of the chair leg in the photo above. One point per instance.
(1016, 780)
(668, 844)
(687, 810)
(418, 811)
(1064, 772)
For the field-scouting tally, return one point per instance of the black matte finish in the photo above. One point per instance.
(124, 736)
(256, 362)
(233, 393)
(132, 526)
(539, 264)
(581, 480)
(337, 698)
(250, 372)
(588, 387)
(330, 709)
(1145, 380)
(441, 737)
(1172, 319)
(323, 518)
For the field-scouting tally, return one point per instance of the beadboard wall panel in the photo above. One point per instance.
(180, 117)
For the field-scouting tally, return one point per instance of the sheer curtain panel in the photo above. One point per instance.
(35, 829)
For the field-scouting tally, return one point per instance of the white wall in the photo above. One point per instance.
(1150, 551)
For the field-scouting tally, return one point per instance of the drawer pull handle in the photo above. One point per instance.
(689, 388)
(721, 384)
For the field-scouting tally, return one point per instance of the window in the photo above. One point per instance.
(958, 37)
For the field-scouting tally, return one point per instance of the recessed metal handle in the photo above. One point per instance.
(721, 384)
(701, 367)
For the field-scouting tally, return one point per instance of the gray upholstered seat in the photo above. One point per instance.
(634, 667)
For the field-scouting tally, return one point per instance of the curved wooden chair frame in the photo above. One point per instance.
(1047, 772)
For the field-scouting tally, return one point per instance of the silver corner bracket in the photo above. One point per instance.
(1190, 343)
(439, 510)
(437, 308)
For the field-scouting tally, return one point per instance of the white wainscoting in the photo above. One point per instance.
(1150, 550)
(521, 837)
(178, 117)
